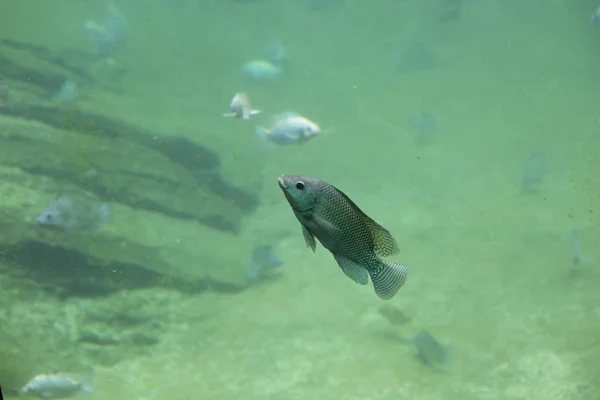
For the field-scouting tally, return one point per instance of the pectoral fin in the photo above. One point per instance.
(324, 224)
(309, 238)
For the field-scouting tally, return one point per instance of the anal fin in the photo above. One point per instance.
(353, 270)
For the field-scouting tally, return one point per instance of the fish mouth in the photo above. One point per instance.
(281, 182)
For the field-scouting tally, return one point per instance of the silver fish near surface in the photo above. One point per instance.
(355, 240)
(241, 107)
(289, 128)
(58, 386)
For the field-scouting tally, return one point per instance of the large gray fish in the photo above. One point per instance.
(355, 240)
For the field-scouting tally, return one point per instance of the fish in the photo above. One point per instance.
(394, 315)
(58, 386)
(450, 10)
(116, 24)
(261, 70)
(425, 127)
(100, 37)
(262, 262)
(74, 212)
(275, 52)
(4, 95)
(536, 168)
(289, 128)
(418, 56)
(595, 17)
(430, 351)
(240, 107)
(576, 256)
(326, 6)
(67, 93)
(355, 240)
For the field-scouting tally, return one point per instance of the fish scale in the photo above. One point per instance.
(356, 241)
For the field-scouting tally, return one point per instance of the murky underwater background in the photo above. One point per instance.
(469, 129)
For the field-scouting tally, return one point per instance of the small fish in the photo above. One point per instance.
(261, 70)
(74, 212)
(275, 52)
(58, 386)
(100, 37)
(289, 128)
(355, 240)
(4, 93)
(576, 255)
(450, 10)
(67, 93)
(326, 6)
(240, 107)
(394, 315)
(535, 170)
(595, 18)
(425, 127)
(116, 25)
(417, 57)
(262, 262)
(430, 351)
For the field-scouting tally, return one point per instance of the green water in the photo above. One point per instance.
(490, 267)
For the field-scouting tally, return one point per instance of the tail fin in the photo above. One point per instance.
(389, 279)
(261, 131)
(263, 134)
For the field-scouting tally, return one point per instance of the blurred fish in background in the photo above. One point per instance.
(67, 93)
(116, 24)
(58, 386)
(418, 56)
(534, 172)
(4, 95)
(74, 211)
(241, 107)
(576, 255)
(450, 10)
(394, 315)
(261, 70)
(99, 37)
(263, 263)
(595, 18)
(275, 52)
(425, 127)
(326, 6)
(108, 38)
(430, 351)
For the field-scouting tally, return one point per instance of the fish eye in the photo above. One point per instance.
(48, 217)
(300, 185)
